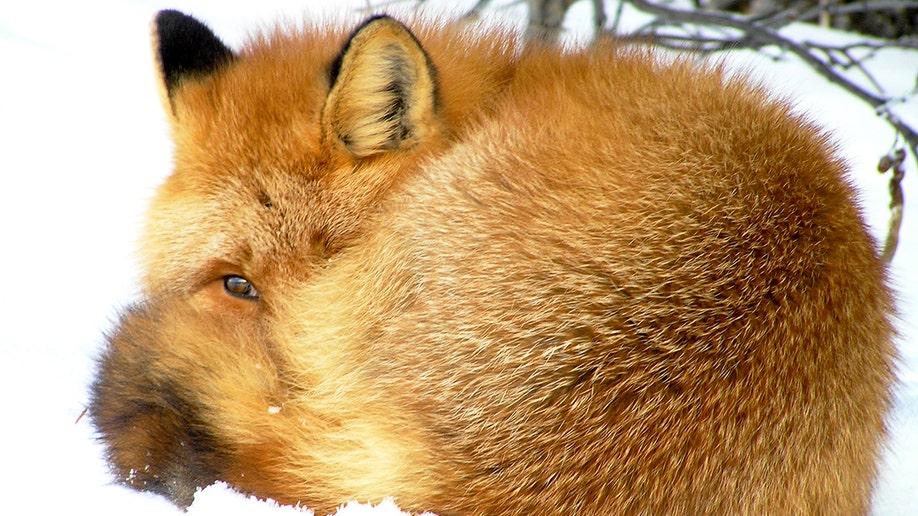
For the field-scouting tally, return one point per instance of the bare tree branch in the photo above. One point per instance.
(545, 20)
(756, 36)
(803, 12)
(599, 16)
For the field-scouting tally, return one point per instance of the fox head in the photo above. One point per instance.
(283, 151)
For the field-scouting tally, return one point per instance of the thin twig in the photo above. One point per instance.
(696, 44)
(847, 60)
(894, 161)
(613, 28)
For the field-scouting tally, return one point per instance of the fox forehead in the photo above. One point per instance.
(249, 170)
(261, 111)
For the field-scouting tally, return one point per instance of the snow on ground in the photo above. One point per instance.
(82, 144)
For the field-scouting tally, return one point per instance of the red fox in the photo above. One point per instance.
(430, 262)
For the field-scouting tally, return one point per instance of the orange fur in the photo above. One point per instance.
(579, 282)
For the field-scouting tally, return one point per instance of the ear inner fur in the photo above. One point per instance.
(384, 91)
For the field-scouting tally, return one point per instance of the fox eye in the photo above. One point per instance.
(240, 287)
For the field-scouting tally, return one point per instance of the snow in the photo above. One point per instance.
(83, 145)
(221, 499)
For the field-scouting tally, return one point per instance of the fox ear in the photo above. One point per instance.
(184, 48)
(384, 92)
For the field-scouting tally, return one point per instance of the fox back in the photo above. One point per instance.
(432, 263)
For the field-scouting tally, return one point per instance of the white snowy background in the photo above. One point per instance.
(83, 142)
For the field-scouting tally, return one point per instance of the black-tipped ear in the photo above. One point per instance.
(184, 47)
(384, 91)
